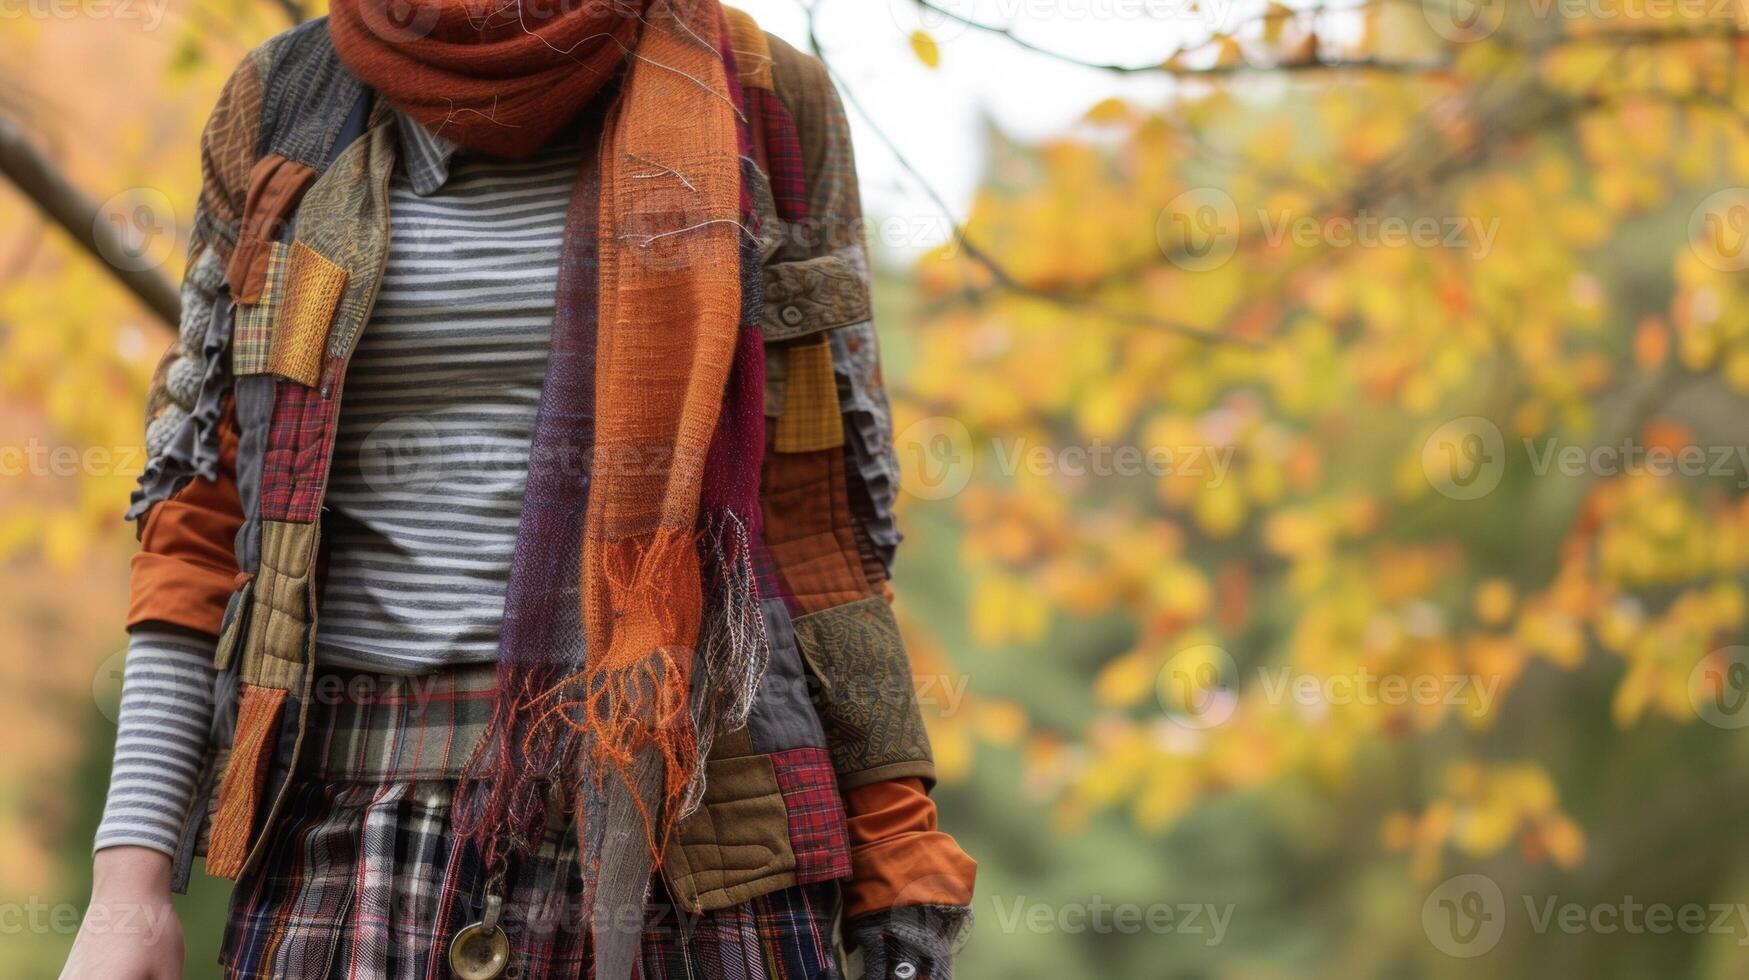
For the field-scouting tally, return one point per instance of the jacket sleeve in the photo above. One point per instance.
(911, 885)
(187, 505)
(186, 568)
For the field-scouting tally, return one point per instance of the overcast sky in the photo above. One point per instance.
(935, 115)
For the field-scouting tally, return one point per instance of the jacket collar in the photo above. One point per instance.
(425, 155)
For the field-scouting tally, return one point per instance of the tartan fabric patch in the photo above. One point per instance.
(367, 881)
(811, 418)
(786, 935)
(818, 831)
(379, 728)
(299, 440)
(252, 336)
(783, 150)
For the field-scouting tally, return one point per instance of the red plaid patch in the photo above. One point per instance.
(818, 832)
(300, 440)
(783, 151)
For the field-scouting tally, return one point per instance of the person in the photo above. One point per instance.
(512, 596)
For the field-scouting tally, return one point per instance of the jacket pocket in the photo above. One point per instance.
(736, 845)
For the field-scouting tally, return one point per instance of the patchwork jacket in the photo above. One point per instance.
(287, 252)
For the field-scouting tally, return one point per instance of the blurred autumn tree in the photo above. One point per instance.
(1466, 417)
(1292, 469)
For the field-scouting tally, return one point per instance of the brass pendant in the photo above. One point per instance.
(481, 951)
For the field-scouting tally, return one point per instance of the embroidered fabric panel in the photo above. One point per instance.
(868, 697)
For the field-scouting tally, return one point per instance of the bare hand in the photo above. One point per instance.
(130, 931)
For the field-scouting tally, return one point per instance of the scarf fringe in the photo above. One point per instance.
(734, 648)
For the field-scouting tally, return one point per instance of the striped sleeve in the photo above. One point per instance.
(166, 711)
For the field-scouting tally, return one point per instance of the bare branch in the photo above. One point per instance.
(1310, 62)
(294, 11)
(42, 182)
(1005, 279)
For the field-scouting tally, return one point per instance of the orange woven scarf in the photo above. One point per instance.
(659, 381)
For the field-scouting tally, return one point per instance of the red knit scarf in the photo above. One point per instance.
(497, 76)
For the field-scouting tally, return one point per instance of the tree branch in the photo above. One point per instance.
(42, 182)
(294, 11)
(1310, 61)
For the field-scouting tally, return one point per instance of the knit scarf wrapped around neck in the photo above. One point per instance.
(632, 627)
(497, 76)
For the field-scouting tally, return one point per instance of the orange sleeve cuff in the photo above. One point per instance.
(186, 568)
(897, 856)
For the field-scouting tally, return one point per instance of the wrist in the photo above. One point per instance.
(132, 871)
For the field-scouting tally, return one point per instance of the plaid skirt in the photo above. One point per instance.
(363, 878)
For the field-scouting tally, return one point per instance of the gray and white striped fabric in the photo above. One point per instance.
(437, 419)
(429, 467)
(166, 710)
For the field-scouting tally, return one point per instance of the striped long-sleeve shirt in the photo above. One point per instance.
(429, 465)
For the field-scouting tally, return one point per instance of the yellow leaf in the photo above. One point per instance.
(1110, 111)
(926, 49)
